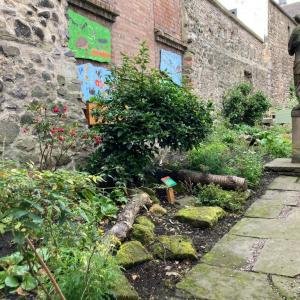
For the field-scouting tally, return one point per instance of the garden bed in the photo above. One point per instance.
(156, 279)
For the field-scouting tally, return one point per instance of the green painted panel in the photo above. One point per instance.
(283, 116)
(88, 39)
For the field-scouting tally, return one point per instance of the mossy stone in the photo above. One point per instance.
(158, 210)
(142, 233)
(143, 220)
(176, 247)
(201, 217)
(132, 253)
(123, 290)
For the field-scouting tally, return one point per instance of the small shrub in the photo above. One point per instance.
(241, 105)
(213, 195)
(211, 157)
(145, 111)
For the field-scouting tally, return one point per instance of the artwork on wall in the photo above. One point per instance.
(171, 63)
(88, 39)
(92, 80)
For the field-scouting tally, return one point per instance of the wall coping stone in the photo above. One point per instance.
(283, 11)
(97, 7)
(165, 38)
(235, 19)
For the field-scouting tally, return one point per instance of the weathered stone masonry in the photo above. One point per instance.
(222, 51)
(218, 51)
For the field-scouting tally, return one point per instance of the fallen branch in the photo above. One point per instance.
(127, 216)
(226, 182)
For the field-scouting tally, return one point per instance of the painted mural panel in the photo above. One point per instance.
(171, 63)
(88, 39)
(92, 80)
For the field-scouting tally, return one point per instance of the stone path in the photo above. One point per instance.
(260, 257)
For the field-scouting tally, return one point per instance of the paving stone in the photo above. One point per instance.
(264, 209)
(216, 283)
(291, 198)
(280, 257)
(286, 183)
(287, 287)
(231, 251)
(282, 228)
(283, 165)
(201, 217)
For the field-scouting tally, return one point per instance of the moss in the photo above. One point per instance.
(174, 247)
(122, 290)
(143, 220)
(132, 253)
(142, 233)
(156, 209)
(201, 217)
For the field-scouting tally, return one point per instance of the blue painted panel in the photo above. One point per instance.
(92, 80)
(171, 63)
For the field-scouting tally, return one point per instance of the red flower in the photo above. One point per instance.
(72, 133)
(65, 108)
(53, 131)
(60, 129)
(61, 138)
(55, 109)
(97, 139)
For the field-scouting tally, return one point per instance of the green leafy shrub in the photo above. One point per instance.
(213, 195)
(210, 157)
(241, 105)
(227, 154)
(58, 211)
(144, 111)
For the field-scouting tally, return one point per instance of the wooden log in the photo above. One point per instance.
(226, 182)
(126, 218)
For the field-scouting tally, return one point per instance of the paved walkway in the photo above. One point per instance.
(260, 257)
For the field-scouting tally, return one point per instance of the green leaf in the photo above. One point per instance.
(11, 281)
(12, 259)
(20, 270)
(29, 283)
(2, 277)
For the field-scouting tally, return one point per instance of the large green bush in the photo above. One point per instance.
(145, 111)
(243, 106)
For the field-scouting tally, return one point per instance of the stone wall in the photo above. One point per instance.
(281, 64)
(33, 66)
(222, 52)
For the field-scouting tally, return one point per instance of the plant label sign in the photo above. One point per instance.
(168, 181)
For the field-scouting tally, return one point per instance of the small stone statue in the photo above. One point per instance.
(294, 49)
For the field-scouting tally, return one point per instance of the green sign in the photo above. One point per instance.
(88, 39)
(168, 181)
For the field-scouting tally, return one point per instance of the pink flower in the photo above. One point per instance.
(61, 138)
(97, 139)
(65, 108)
(53, 131)
(25, 130)
(55, 109)
(72, 133)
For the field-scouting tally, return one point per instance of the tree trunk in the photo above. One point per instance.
(127, 216)
(226, 182)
